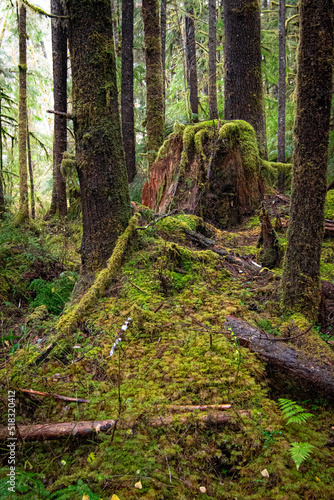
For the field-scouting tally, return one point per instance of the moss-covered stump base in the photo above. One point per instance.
(212, 169)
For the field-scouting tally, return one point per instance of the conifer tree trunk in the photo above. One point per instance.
(127, 103)
(163, 30)
(2, 194)
(281, 83)
(212, 60)
(100, 158)
(155, 109)
(300, 281)
(191, 59)
(59, 62)
(23, 171)
(31, 176)
(243, 76)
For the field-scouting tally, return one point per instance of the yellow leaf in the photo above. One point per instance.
(317, 479)
(138, 485)
(114, 497)
(85, 497)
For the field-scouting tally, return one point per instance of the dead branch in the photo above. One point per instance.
(55, 396)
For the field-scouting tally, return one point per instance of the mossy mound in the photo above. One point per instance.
(212, 169)
(175, 351)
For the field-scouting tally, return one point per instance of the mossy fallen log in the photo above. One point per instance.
(212, 169)
(59, 430)
(306, 362)
(69, 321)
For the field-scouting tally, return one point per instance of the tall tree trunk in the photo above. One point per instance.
(243, 76)
(265, 4)
(300, 281)
(281, 84)
(191, 59)
(155, 109)
(127, 103)
(2, 194)
(100, 158)
(163, 30)
(31, 176)
(23, 207)
(212, 60)
(59, 61)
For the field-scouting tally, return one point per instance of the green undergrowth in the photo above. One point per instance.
(175, 351)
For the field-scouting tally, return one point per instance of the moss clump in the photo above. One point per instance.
(39, 314)
(329, 205)
(270, 171)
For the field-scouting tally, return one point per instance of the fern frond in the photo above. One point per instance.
(294, 413)
(300, 452)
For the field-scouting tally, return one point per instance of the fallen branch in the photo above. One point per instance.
(316, 372)
(55, 396)
(60, 113)
(43, 432)
(185, 408)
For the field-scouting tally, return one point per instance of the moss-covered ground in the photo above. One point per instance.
(174, 352)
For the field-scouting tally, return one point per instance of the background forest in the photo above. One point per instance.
(166, 249)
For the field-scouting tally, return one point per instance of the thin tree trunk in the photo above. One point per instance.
(59, 61)
(31, 176)
(23, 207)
(281, 88)
(212, 60)
(2, 195)
(100, 158)
(127, 102)
(265, 4)
(163, 29)
(191, 60)
(243, 75)
(300, 281)
(155, 110)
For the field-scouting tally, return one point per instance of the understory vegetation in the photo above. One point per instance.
(174, 353)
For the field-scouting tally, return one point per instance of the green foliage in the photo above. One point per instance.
(53, 294)
(294, 413)
(300, 452)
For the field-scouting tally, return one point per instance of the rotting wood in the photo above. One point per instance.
(55, 396)
(59, 430)
(305, 368)
(184, 408)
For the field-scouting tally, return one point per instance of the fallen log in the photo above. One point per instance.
(59, 430)
(329, 226)
(314, 372)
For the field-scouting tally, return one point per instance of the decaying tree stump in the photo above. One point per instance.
(270, 253)
(211, 169)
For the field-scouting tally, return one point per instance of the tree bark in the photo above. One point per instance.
(191, 60)
(243, 75)
(301, 281)
(281, 89)
(2, 194)
(23, 171)
(163, 30)
(99, 148)
(127, 102)
(155, 109)
(31, 176)
(316, 373)
(212, 60)
(59, 62)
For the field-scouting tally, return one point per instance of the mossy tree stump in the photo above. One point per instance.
(211, 169)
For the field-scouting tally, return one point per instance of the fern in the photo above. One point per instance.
(294, 413)
(300, 452)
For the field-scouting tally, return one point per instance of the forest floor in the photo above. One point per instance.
(175, 353)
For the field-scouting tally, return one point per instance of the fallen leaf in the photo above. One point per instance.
(85, 497)
(138, 485)
(317, 479)
(202, 489)
(265, 473)
(114, 497)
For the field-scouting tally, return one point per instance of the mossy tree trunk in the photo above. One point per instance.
(243, 76)
(191, 59)
(59, 62)
(127, 101)
(300, 281)
(155, 109)
(23, 171)
(281, 86)
(2, 194)
(99, 148)
(31, 175)
(163, 31)
(212, 60)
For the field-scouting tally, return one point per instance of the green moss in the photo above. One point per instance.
(329, 205)
(270, 171)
